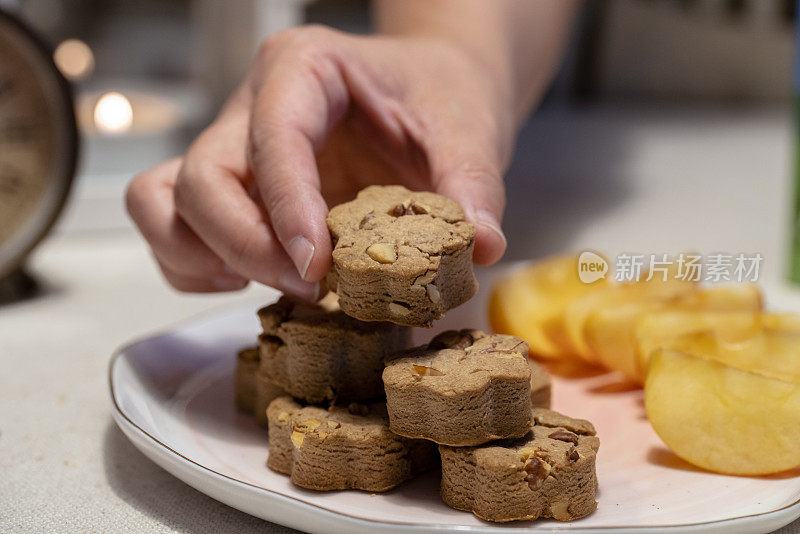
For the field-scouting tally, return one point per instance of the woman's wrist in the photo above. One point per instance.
(489, 78)
(491, 88)
(499, 35)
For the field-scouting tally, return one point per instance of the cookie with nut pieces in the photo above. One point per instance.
(463, 388)
(266, 392)
(541, 385)
(548, 473)
(401, 256)
(317, 353)
(254, 389)
(342, 447)
(244, 387)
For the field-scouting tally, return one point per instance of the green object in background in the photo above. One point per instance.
(794, 267)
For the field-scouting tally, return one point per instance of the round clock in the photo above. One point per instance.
(38, 142)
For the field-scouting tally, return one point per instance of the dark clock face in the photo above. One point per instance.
(37, 142)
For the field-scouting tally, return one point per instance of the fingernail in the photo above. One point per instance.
(301, 251)
(229, 283)
(486, 218)
(291, 282)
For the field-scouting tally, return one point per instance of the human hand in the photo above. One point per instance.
(321, 115)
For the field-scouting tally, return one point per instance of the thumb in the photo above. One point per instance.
(475, 182)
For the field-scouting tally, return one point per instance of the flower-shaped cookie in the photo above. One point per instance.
(463, 388)
(400, 256)
(342, 447)
(253, 388)
(266, 392)
(548, 473)
(317, 353)
(247, 361)
(541, 386)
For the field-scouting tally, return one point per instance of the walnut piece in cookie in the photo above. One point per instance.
(317, 353)
(342, 447)
(463, 388)
(535, 476)
(400, 256)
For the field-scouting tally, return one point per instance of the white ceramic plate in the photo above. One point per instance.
(172, 395)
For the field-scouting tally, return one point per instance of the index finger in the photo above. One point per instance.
(211, 196)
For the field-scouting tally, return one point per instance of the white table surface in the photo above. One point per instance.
(654, 181)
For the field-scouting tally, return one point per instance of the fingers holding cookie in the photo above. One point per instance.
(401, 256)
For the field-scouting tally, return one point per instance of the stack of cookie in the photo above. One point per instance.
(315, 353)
(502, 458)
(349, 406)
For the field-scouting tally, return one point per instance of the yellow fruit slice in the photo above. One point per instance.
(721, 418)
(788, 322)
(610, 334)
(577, 312)
(729, 297)
(729, 310)
(663, 328)
(608, 322)
(772, 353)
(613, 332)
(529, 304)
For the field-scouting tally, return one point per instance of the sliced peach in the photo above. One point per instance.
(529, 302)
(721, 418)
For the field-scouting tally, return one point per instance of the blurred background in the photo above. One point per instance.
(666, 96)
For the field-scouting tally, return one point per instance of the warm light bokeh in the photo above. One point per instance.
(74, 59)
(113, 114)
